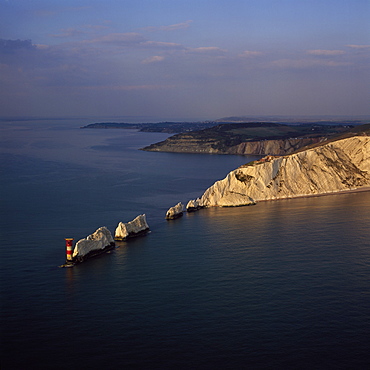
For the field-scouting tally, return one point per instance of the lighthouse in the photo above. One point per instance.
(69, 248)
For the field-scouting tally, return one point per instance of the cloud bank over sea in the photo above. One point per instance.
(188, 58)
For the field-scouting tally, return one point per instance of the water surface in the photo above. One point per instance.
(283, 284)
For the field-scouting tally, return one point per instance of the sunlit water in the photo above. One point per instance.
(279, 285)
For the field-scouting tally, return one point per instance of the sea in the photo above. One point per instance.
(278, 285)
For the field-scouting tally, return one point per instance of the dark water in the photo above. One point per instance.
(279, 285)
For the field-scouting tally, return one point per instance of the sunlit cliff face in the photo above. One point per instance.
(338, 166)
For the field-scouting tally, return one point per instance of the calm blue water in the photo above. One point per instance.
(279, 285)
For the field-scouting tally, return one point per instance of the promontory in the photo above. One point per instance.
(249, 138)
(332, 167)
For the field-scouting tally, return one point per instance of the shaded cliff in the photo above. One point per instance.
(273, 147)
(336, 166)
(256, 138)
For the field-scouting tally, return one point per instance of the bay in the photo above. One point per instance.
(282, 284)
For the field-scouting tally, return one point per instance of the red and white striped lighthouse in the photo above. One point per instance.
(69, 248)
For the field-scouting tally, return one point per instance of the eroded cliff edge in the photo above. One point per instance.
(337, 166)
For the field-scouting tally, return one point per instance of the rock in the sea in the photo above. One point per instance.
(100, 240)
(333, 167)
(193, 205)
(175, 211)
(130, 229)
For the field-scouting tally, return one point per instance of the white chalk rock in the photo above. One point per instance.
(100, 239)
(175, 212)
(132, 228)
(193, 205)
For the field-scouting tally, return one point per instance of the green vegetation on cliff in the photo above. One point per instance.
(221, 138)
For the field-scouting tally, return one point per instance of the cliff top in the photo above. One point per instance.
(226, 135)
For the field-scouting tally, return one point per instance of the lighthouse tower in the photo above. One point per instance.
(69, 249)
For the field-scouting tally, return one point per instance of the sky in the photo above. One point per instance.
(184, 59)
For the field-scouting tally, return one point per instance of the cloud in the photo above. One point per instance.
(206, 50)
(306, 63)
(162, 44)
(359, 46)
(82, 30)
(325, 52)
(153, 59)
(118, 38)
(42, 46)
(250, 53)
(132, 39)
(44, 64)
(172, 27)
(13, 45)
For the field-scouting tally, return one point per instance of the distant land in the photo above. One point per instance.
(186, 126)
(240, 136)
(165, 127)
(254, 138)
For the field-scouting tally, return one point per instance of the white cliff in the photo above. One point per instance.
(99, 240)
(175, 211)
(333, 167)
(132, 228)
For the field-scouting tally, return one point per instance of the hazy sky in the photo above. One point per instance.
(185, 59)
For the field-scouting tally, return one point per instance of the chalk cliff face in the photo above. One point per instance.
(333, 167)
(132, 228)
(100, 239)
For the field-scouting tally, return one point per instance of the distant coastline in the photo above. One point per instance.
(255, 138)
